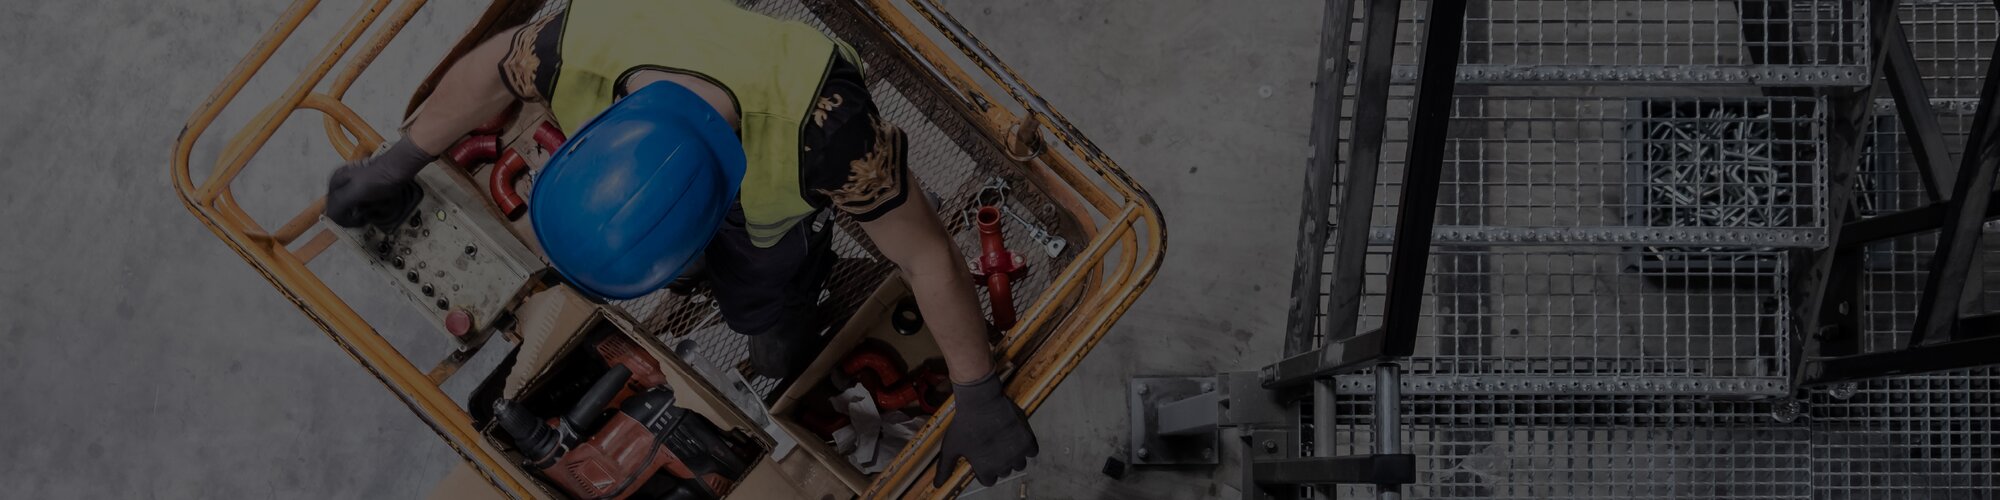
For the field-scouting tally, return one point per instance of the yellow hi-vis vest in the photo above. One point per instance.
(771, 69)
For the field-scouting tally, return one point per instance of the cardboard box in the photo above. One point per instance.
(870, 320)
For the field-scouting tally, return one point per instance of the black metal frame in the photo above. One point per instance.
(1341, 350)
(1830, 310)
(1409, 255)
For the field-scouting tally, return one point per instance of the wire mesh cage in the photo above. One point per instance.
(951, 165)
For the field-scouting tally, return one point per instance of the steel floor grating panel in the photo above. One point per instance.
(1539, 42)
(1532, 447)
(1600, 170)
(1596, 313)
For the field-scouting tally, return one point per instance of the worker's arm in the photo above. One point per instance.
(912, 236)
(987, 429)
(469, 94)
(374, 189)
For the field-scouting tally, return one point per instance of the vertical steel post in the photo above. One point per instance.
(1388, 420)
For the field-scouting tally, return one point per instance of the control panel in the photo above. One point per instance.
(453, 257)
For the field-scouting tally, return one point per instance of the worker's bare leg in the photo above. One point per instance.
(470, 93)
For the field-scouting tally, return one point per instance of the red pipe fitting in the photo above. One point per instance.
(997, 266)
(501, 184)
(512, 165)
(474, 150)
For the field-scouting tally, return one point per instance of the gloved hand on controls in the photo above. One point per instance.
(378, 189)
(988, 431)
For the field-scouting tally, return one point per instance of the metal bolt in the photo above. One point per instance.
(1143, 453)
(471, 251)
(1843, 391)
(1207, 386)
(412, 276)
(1142, 391)
(1270, 446)
(1787, 411)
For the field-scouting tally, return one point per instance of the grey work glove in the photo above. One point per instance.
(988, 431)
(378, 189)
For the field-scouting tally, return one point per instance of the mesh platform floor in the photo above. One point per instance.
(1556, 361)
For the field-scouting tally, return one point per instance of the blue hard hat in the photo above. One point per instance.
(624, 205)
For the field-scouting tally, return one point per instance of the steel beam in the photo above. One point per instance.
(1416, 212)
(1851, 112)
(1359, 469)
(1913, 106)
(1950, 355)
(1958, 239)
(1334, 358)
(1905, 223)
(1364, 163)
(1321, 175)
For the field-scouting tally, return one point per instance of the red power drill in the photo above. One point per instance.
(626, 456)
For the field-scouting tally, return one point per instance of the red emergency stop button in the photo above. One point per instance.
(458, 322)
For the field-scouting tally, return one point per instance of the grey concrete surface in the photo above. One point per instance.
(140, 358)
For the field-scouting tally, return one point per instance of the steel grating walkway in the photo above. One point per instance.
(1598, 324)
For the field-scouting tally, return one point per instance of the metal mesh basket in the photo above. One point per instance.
(950, 163)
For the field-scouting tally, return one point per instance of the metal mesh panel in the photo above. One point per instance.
(1951, 41)
(1816, 42)
(1591, 319)
(1680, 171)
(952, 163)
(1601, 447)
(1928, 436)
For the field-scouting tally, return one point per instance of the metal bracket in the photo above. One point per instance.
(1173, 421)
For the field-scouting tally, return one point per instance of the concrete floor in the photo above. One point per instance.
(143, 359)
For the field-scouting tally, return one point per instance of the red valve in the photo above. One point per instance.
(997, 266)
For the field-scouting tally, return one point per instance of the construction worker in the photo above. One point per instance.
(698, 130)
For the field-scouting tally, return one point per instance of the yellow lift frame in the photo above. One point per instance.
(1125, 235)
